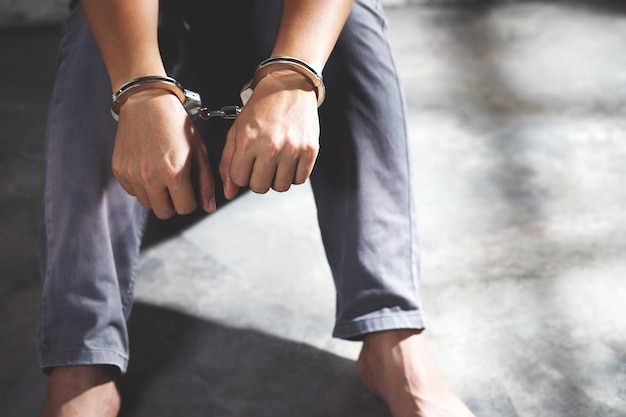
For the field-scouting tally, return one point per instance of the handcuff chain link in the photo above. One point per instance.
(226, 112)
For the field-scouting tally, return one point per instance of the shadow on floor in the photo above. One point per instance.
(189, 367)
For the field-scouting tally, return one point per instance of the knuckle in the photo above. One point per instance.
(177, 172)
(146, 175)
(117, 169)
(311, 150)
(268, 147)
(187, 209)
(121, 172)
(184, 212)
(144, 204)
(246, 144)
(259, 188)
(281, 188)
(239, 180)
(164, 214)
(272, 148)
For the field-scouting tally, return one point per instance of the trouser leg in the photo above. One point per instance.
(362, 183)
(362, 180)
(90, 228)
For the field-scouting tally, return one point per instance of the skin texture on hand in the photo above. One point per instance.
(275, 139)
(160, 158)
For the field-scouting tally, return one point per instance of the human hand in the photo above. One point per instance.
(275, 139)
(160, 158)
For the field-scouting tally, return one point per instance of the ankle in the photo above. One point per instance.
(394, 354)
(86, 375)
(397, 366)
(88, 390)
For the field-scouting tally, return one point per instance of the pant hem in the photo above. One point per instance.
(83, 357)
(356, 329)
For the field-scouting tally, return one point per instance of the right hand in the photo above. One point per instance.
(160, 158)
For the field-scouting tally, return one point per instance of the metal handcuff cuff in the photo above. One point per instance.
(192, 102)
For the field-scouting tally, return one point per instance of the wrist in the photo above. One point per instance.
(286, 81)
(152, 103)
(146, 95)
(189, 99)
(283, 64)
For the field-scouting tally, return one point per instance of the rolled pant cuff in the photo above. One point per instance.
(357, 328)
(83, 357)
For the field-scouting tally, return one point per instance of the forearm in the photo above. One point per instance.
(158, 155)
(310, 28)
(126, 34)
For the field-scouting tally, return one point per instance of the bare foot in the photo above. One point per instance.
(81, 391)
(396, 366)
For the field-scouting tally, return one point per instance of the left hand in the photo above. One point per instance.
(274, 141)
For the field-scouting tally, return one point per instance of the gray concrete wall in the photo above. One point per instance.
(17, 13)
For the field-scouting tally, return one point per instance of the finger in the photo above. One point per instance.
(182, 194)
(262, 176)
(121, 176)
(230, 189)
(127, 187)
(161, 203)
(137, 192)
(285, 173)
(241, 166)
(202, 177)
(303, 170)
(143, 199)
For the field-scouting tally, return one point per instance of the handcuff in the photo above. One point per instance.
(192, 102)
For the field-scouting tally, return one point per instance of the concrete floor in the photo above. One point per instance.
(517, 115)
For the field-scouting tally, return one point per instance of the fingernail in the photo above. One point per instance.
(228, 190)
(212, 205)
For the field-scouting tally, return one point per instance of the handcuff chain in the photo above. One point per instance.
(226, 112)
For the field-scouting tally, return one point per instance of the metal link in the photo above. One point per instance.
(226, 112)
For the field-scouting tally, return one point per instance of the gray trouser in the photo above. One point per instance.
(92, 230)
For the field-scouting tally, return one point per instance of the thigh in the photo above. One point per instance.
(91, 228)
(362, 181)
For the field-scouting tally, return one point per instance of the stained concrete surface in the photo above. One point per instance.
(518, 133)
